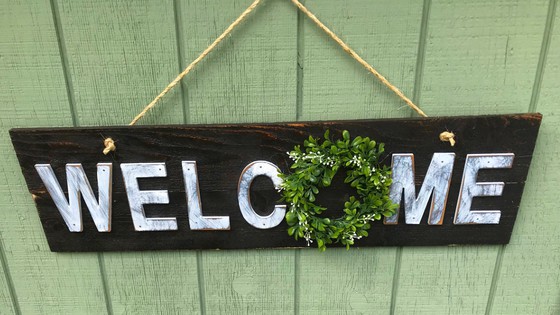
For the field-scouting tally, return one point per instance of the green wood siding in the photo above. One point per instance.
(81, 62)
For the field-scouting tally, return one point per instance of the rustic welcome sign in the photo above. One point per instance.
(213, 186)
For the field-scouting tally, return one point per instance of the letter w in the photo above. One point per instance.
(71, 211)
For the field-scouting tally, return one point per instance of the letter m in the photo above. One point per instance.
(436, 185)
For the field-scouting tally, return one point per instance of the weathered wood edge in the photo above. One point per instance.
(536, 117)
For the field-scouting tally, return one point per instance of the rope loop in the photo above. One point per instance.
(444, 136)
(109, 144)
(322, 26)
(447, 136)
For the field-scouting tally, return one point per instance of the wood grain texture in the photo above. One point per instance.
(357, 281)
(121, 55)
(529, 281)
(152, 283)
(468, 56)
(130, 57)
(251, 77)
(7, 297)
(33, 92)
(439, 280)
(334, 87)
(223, 151)
(248, 282)
(480, 58)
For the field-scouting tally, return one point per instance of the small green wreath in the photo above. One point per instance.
(315, 168)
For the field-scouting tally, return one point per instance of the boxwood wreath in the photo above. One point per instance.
(314, 168)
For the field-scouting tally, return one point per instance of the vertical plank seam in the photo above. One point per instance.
(299, 62)
(181, 57)
(543, 55)
(418, 78)
(75, 122)
(396, 277)
(108, 301)
(495, 278)
(539, 73)
(8, 277)
(419, 71)
(299, 113)
(297, 270)
(186, 120)
(64, 60)
(201, 287)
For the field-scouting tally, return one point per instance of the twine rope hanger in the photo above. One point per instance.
(446, 136)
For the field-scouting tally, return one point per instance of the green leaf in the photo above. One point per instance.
(314, 224)
(291, 230)
(357, 141)
(291, 217)
(302, 187)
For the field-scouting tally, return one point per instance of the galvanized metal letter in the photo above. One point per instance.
(470, 188)
(137, 198)
(251, 171)
(436, 184)
(71, 210)
(196, 220)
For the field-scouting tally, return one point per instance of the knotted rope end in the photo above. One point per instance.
(109, 145)
(447, 136)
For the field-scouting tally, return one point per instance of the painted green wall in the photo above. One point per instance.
(83, 62)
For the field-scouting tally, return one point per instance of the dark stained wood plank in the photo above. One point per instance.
(222, 151)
